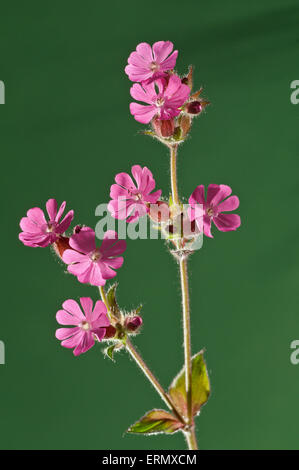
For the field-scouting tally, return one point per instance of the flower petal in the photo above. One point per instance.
(161, 50)
(87, 342)
(227, 222)
(51, 206)
(60, 211)
(73, 256)
(230, 204)
(139, 94)
(37, 216)
(84, 241)
(217, 192)
(64, 333)
(73, 341)
(198, 195)
(145, 50)
(125, 180)
(206, 226)
(71, 306)
(169, 63)
(87, 304)
(65, 223)
(143, 114)
(65, 318)
(28, 225)
(100, 310)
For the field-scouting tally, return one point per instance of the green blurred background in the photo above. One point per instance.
(65, 132)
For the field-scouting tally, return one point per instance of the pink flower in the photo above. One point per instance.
(146, 64)
(164, 102)
(37, 231)
(86, 328)
(130, 201)
(91, 264)
(213, 207)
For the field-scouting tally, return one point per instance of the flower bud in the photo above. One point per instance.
(194, 107)
(60, 245)
(163, 127)
(77, 229)
(132, 324)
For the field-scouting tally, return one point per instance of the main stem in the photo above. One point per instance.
(173, 175)
(145, 369)
(187, 335)
(190, 435)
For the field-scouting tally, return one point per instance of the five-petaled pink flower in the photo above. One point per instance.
(86, 328)
(163, 102)
(146, 63)
(130, 201)
(37, 231)
(91, 264)
(212, 208)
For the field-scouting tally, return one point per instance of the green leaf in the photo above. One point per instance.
(156, 422)
(200, 386)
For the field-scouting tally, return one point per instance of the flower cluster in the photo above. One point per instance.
(89, 263)
(169, 105)
(129, 200)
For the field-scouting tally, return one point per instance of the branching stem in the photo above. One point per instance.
(145, 369)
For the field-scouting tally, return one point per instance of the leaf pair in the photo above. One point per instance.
(160, 421)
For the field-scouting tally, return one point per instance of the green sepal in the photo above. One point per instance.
(111, 298)
(110, 351)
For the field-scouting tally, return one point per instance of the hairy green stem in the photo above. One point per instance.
(173, 175)
(187, 335)
(191, 439)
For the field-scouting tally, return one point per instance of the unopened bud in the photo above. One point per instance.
(77, 229)
(163, 127)
(194, 107)
(61, 244)
(133, 323)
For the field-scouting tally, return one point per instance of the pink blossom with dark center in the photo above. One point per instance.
(164, 99)
(88, 326)
(91, 264)
(39, 232)
(129, 200)
(213, 208)
(147, 64)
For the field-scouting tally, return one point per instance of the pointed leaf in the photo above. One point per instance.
(200, 386)
(109, 351)
(156, 422)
